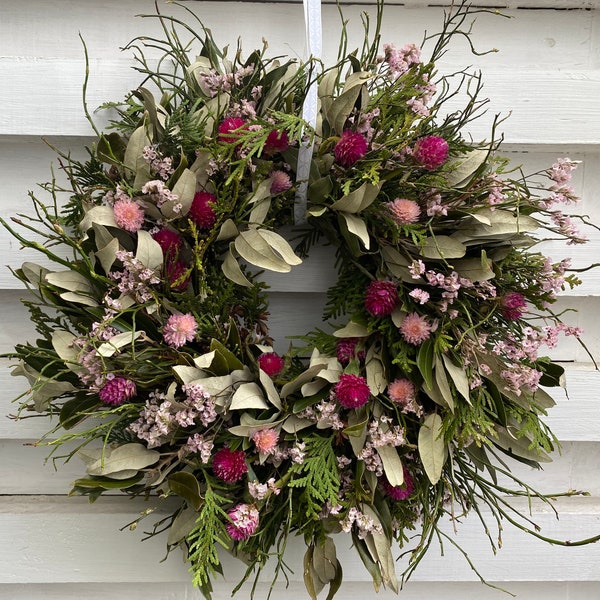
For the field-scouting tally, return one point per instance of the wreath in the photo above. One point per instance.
(154, 355)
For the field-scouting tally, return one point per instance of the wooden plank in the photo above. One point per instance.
(48, 533)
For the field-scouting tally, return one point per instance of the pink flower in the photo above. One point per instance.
(170, 242)
(381, 298)
(399, 492)
(352, 391)
(401, 391)
(272, 364)
(265, 440)
(180, 329)
(513, 304)
(128, 215)
(404, 211)
(350, 147)
(227, 131)
(116, 391)
(229, 465)
(431, 152)
(202, 210)
(175, 271)
(244, 521)
(415, 329)
(346, 350)
(277, 141)
(280, 182)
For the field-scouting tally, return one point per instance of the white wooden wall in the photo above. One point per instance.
(547, 72)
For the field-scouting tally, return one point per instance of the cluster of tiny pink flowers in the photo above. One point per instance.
(416, 269)
(495, 191)
(421, 296)
(363, 523)
(365, 124)
(113, 196)
(161, 166)
(155, 422)
(213, 82)
(159, 193)
(435, 208)
(179, 330)
(327, 415)
(135, 278)
(399, 60)
(520, 377)
(92, 373)
(259, 490)
(244, 521)
(566, 227)
(197, 444)
(415, 329)
(380, 433)
(561, 171)
(245, 109)
(117, 390)
(425, 92)
(198, 407)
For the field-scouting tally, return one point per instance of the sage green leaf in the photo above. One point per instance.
(134, 159)
(186, 486)
(325, 559)
(200, 167)
(432, 448)
(101, 215)
(106, 461)
(228, 231)
(151, 110)
(78, 298)
(69, 280)
(326, 90)
(543, 399)
(376, 379)
(425, 361)
(380, 547)
(74, 411)
(519, 447)
(231, 269)
(352, 329)
(444, 247)
(232, 361)
(182, 525)
(357, 78)
(184, 189)
(103, 483)
(149, 252)
(254, 248)
(188, 374)
(107, 255)
(248, 395)
(392, 465)
(312, 583)
(442, 383)
(201, 66)
(111, 149)
(461, 170)
(318, 192)
(34, 273)
(435, 394)
(43, 388)
(503, 224)
(357, 429)
(398, 315)
(271, 391)
(293, 424)
(281, 246)
(259, 213)
(370, 564)
(341, 107)
(459, 377)
(475, 269)
(359, 199)
(117, 342)
(397, 264)
(357, 227)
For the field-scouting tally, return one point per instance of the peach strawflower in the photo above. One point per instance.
(404, 211)
(415, 329)
(128, 215)
(265, 440)
(180, 329)
(401, 391)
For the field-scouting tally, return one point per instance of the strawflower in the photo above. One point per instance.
(415, 329)
(180, 329)
(128, 215)
(404, 211)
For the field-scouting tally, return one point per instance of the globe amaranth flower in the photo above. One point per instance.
(346, 350)
(404, 211)
(116, 391)
(202, 210)
(280, 182)
(180, 329)
(271, 363)
(513, 305)
(352, 391)
(415, 329)
(169, 241)
(129, 215)
(229, 129)
(431, 152)
(229, 465)
(351, 147)
(244, 521)
(277, 141)
(401, 391)
(266, 440)
(399, 492)
(176, 274)
(381, 298)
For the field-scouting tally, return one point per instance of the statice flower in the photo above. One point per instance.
(363, 523)
(197, 444)
(435, 208)
(155, 422)
(327, 415)
(421, 296)
(244, 521)
(567, 228)
(496, 193)
(399, 60)
(416, 268)
(162, 166)
(135, 278)
(158, 192)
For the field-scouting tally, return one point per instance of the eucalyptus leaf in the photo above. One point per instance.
(443, 247)
(461, 170)
(149, 252)
(293, 424)
(182, 525)
(352, 329)
(110, 347)
(107, 255)
(101, 215)
(432, 448)
(270, 389)
(459, 377)
(228, 231)
(442, 383)
(78, 298)
(232, 270)
(325, 559)
(248, 395)
(69, 280)
(134, 159)
(341, 107)
(184, 189)
(392, 465)
(254, 248)
(34, 273)
(188, 374)
(357, 200)
(106, 461)
(357, 227)
(186, 486)
(397, 264)
(475, 269)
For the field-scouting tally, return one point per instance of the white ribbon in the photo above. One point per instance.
(314, 41)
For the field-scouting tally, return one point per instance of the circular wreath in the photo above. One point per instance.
(154, 351)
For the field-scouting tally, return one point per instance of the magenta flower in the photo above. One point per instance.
(277, 141)
(431, 152)
(229, 465)
(352, 391)
(175, 271)
(399, 492)
(272, 364)
(116, 391)
(202, 210)
(351, 147)
(266, 440)
(401, 391)
(244, 521)
(512, 305)
(381, 298)
(228, 129)
(415, 329)
(180, 329)
(346, 350)
(128, 215)
(170, 242)
(404, 211)
(280, 182)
